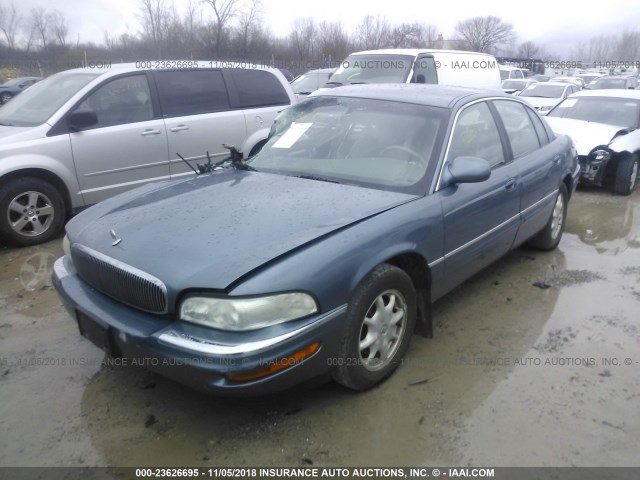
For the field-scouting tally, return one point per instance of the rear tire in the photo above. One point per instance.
(626, 175)
(32, 211)
(549, 237)
(380, 321)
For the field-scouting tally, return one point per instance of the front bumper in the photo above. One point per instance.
(197, 356)
(592, 172)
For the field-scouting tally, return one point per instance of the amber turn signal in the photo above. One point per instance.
(274, 366)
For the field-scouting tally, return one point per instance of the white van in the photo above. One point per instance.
(509, 73)
(445, 67)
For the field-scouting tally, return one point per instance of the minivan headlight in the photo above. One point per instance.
(247, 313)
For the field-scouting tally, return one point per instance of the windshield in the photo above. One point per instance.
(621, 112)
(373, 69)
(609, 83)
(588, 78)
(307, 83)
(546, 91)
(370, 143)
(36, 104)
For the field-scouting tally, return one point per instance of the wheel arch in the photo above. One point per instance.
(416, 266)
(45, 175)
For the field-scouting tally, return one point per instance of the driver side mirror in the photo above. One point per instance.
(466, 170)
(81, 119)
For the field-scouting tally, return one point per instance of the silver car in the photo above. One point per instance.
(84, 135)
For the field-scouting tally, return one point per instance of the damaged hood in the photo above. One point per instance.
(213, 229)
(585, 135)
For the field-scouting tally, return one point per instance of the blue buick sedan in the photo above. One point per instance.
(322, 254)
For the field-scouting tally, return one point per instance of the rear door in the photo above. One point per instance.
(480, 219)
(128, 145)
(260, 96)
(538, 161)
(198, 117)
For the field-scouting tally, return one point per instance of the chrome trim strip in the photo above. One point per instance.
(127, 184)
(436, 262)
(485, 234)
(552, 194)
(202, 346)
(126, 169)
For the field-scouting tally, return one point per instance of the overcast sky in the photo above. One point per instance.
(558, 24)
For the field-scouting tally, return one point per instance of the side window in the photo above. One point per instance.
(191, 92)
(540, 130)
(520, 130)
(258, 88)
(424, 71)
(123, 100)
(476, 135)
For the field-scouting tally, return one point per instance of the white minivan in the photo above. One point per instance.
(444, 67)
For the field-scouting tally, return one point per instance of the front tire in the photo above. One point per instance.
(5, 97)
(32, 211)
(380, 321)
(549, 237)
(626, 175)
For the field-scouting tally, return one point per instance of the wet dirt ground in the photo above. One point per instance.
(517, 374)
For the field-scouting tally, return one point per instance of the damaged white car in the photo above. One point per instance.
(604, 125)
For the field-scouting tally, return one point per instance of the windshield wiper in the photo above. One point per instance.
(313, 177)
(333, 83)
(4, 124)
(235, 157)
(358, 83)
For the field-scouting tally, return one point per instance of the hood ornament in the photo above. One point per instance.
(116, 240)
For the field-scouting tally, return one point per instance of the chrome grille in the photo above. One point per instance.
(119, 280)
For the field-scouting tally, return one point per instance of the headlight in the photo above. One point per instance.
(247, 313)
(66, 245)
(546, 108)
(601, 155)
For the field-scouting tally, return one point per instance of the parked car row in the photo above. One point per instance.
(13, 87)
(321, 253)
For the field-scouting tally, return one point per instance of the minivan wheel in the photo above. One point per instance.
(549, 237)
(626, 175)
(380, 321)
(32, 211)
(5, 97)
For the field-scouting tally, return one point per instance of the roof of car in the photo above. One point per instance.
(432, 95)
(171, 65)
(413, 51)
(320, 70)
(555, 84)
(613, 92)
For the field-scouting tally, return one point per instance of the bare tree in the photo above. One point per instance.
(156, 17)
(484, 34)
(528, 49)
(600, 48)
(191, 23)
(9, 23)
(413, 35)
(224, 11)
(39, 23)
(628, 46)
(373, 32)
(248, 23)
(59, 27)
(333, 41)
(303, 36)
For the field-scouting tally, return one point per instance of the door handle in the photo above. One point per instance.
(179, 128)
(150, 131)
(511, 184)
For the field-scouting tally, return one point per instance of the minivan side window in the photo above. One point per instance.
(520, 130)
(258, 88)
(120, 101)
(476, 135)
(191, 92)
(424, 71)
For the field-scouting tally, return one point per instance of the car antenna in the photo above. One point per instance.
(188, 164)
